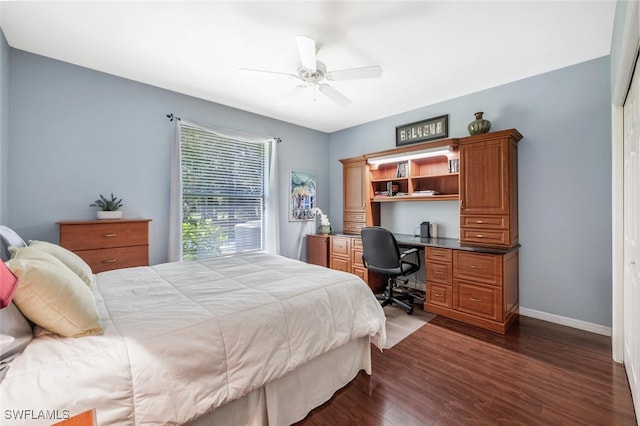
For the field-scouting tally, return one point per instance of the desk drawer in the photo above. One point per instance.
(115, 258)
(485, 237)
(353, 227)
(484, 222)
(481, 301)
(478, 267)
(439, 272)
(340, 246)
(354, 217)
(439, 295)
(104, 235)
(439, 254)
(340, 264)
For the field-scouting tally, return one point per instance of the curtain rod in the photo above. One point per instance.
(172, 117)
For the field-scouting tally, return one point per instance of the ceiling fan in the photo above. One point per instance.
(313, 73)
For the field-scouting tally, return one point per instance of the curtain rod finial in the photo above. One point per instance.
(171, 117)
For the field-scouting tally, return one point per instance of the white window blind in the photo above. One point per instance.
(224, 190)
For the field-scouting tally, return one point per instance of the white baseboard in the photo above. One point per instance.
(569, 322)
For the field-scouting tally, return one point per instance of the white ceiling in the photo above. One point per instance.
(430, 51)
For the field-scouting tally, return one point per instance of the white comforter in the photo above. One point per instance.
(183, 338)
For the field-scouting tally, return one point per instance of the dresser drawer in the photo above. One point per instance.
(439, 254)
(485, 237)
(115, 258)
(353, 227)
(439, 272)
(478, 267)
(484, 222)
(86, 236)
(481, 301)
(439, 295)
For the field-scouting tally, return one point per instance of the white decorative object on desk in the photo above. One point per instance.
(325, 225)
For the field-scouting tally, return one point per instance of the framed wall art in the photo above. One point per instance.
(302, 200)
(422, 131)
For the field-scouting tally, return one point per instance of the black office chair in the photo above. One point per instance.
(381, 254)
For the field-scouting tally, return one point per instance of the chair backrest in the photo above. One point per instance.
(379, 248)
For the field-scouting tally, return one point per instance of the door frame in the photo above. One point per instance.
(629, 48)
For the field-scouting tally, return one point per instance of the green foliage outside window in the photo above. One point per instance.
(201, 238)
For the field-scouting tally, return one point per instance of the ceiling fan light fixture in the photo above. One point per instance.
(312, 72)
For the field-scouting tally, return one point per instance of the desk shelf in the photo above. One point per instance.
(412, 176)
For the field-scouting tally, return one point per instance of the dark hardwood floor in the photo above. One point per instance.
(448, 373)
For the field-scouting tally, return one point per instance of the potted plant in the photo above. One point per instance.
(109, 209)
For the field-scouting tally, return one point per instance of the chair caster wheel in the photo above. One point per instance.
(410, 311)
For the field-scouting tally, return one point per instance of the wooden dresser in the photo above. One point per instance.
(108, 244)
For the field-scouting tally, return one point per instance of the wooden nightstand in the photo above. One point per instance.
(108, 244)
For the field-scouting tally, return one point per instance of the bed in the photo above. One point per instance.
(245, 339)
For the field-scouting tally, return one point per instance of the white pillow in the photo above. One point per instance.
(8, 237)
(52, 296)
(69, 258)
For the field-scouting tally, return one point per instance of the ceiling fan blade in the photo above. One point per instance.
(265, 73)
(294, 93)
(307, 52)
(374, 71)
(334, 95)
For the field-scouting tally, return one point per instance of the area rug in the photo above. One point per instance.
(400, 324)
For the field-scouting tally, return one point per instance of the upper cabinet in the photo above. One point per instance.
(489, 189)
(357, 210)
(481, 171)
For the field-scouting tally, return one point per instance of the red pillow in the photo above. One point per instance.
(8, 285)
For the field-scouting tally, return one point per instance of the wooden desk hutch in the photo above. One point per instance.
(475, 279)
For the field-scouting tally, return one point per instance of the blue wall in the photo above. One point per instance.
(564, 182)
(4, 126)
(75, 133)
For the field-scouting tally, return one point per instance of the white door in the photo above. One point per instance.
(631, 238)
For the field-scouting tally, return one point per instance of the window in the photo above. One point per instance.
(224, 193)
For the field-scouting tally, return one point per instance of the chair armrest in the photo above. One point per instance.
(410, 251)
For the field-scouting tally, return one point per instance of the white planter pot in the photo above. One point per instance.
(109, 214)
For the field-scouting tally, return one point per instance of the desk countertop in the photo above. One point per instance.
(450, 243)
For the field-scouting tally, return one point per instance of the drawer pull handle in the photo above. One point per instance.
(438, 273)
(480, 236)
(438, 294)
(109, 235)
(474, 267)
(480, 221)
(473, 299)
(110, 261)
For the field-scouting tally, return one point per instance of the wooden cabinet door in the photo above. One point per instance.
(484, 177)
(318, 250)
(355, 190)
